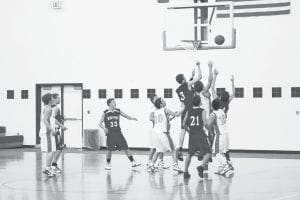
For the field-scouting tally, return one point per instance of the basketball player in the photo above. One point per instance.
(47, 133)
(162, 139)
(203, 92)
(152, 146)
(195, 120)
(115, 139)
(221, 142)
(185, 94)
(226, 99)
(58, 137)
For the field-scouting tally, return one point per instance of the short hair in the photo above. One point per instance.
(224, 96)
(152, 98)
(46, 98)
(225, 106)
(109, 101)
(179, 78)
(55, 95)
(198, 86)
(196, 100)
(215, 104)
(157, 103)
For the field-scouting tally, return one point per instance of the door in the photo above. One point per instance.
(71, 109)
(73, 115)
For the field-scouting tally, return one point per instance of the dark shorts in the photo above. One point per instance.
(116, 141)
(182, 118)
(198, 142)
(58, 141)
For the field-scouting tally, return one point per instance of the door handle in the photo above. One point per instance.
(72, 118)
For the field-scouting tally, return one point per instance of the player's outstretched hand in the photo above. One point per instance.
(135, 119)
(216, 72)
(232, 78)
(297, 112)
(210, 64)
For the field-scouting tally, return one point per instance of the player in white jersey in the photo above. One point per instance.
(151, 142)
(47, 133)
(225, 100)
(162, 140)
(221, 142)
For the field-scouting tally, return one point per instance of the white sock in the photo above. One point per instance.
(221, 158)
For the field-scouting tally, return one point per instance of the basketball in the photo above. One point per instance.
(219, 39)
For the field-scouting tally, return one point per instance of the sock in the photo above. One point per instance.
(130, 158)
(54, 164)
(221, 159)
(108, 160)
(227, 155)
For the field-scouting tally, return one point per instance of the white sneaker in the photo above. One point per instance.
(226, 168)
(161, 164)
(134, 164)
(56, 170)
(177, 168)
(48, 172)
(108, 167)
(219, 170)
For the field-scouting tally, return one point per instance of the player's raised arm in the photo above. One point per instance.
(233, 89)
(210, 79)
(198, 78)
(127, 116)
(213, 84)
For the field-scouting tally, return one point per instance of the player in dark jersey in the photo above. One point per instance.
(195, 119)
(185, 94)
(115, 139)
(58, 138)
(225, 100)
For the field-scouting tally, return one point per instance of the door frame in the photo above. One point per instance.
(38, 103)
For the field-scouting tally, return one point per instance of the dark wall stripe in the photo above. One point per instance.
(272, 5)
(256, 14)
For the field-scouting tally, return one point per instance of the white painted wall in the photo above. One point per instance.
(118, 44)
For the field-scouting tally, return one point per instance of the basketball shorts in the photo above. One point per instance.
(48, 143)
(163, 142)
(221, 143)
(198, 142)
(116, 141)
(58, 141)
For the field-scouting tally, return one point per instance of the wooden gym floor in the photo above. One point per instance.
(84, 178)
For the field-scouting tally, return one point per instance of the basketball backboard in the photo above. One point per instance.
(198, 26)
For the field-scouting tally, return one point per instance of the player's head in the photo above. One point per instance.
(225, 96)
(159, 103)
(196, 100)
(198, 86)
(224, 106)
(215, 104)
(111, 103)
(153, 98)
(56, 98)
(180, 78)
(47, 99)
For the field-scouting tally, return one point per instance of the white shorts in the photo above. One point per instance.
(48, 143)
(163, 142)
(221, 143)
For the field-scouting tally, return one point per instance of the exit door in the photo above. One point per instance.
(71, 111)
